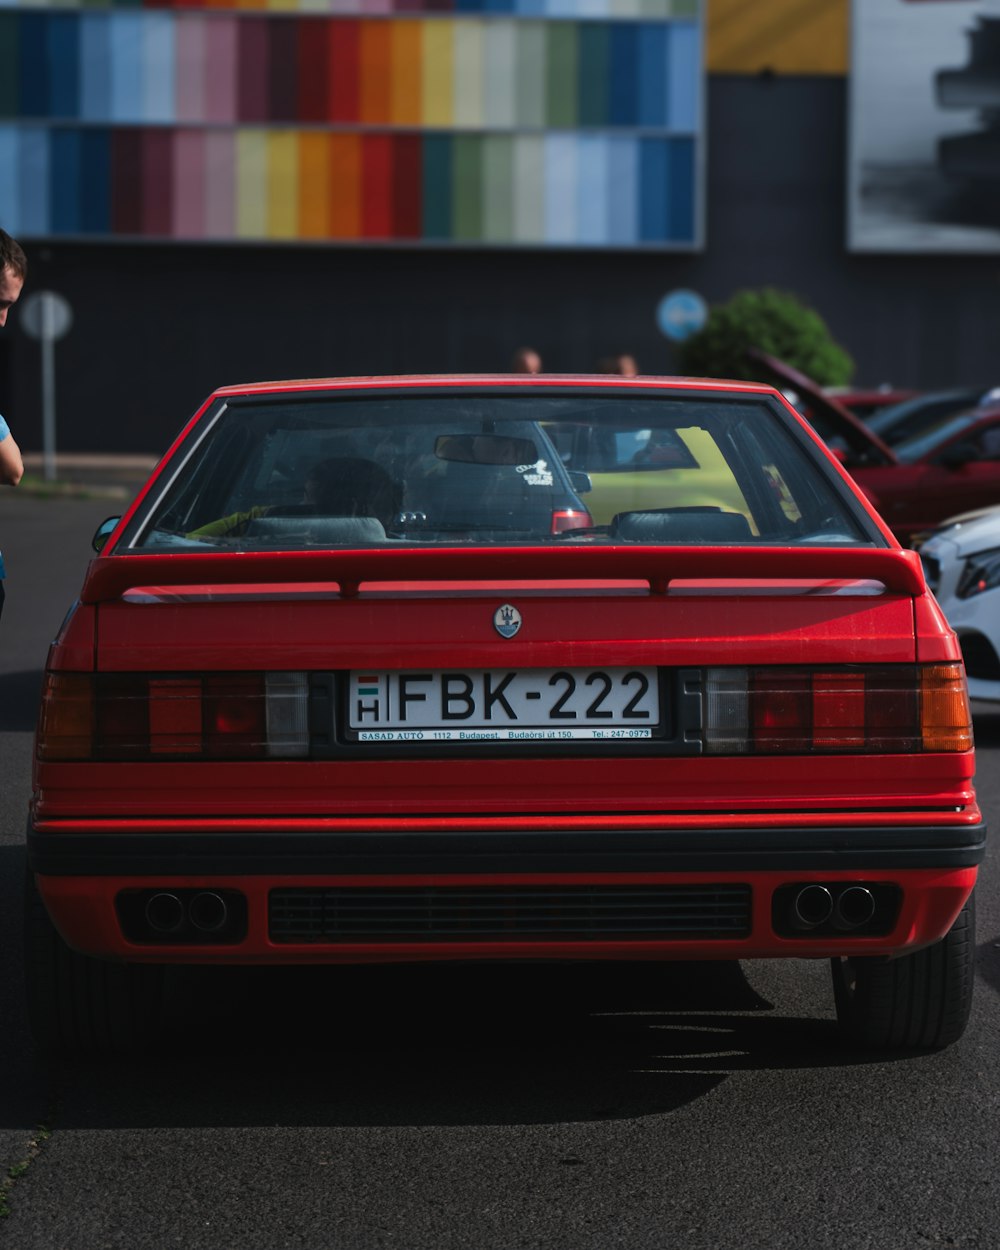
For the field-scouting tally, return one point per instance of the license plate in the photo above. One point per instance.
(504, 705)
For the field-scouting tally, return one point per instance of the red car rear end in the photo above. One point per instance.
(489, 732)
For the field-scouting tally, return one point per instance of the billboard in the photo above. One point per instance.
(502, 123)
(924, 151)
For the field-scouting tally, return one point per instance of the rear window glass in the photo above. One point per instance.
(446, 467)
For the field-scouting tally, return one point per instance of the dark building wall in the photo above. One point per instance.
(158, 327)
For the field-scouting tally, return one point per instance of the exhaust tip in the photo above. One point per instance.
(164, 913)
(855, 907)
(811, 907)
(208, 912)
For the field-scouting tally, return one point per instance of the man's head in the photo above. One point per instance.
(526, 360)
(351, 486)
(13, 270)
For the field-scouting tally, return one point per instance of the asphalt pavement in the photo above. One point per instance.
(689, 1107)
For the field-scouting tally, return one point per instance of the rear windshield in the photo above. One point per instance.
(446, 467)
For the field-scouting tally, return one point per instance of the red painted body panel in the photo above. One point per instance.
(75, 649)
(84, 911)
(722, 787)
(445, 632)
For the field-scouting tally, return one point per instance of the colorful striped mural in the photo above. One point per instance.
(553, 10)
(206, 125)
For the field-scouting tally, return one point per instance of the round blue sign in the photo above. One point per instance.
(680, 314)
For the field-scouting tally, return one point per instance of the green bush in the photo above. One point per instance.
(774, 322)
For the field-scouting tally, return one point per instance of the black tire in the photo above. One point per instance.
(916, 1002)
(81, 1006)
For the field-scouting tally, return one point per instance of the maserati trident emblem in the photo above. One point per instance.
(507, 620)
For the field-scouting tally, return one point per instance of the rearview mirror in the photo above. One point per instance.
(103, 533)
(485, 449)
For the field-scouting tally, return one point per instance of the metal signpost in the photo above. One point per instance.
(47, 316)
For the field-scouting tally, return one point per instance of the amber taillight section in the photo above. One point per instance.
(884, 709)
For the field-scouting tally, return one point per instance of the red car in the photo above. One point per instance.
(865, 402)
(357, 679)
(951, 467)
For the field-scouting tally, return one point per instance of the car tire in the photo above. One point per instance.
(81, 1006)
(916, 1002)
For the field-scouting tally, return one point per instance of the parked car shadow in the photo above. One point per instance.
(459, 1044)
(988, 963)
(448, 1045)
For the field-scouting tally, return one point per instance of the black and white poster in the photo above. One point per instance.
(924, 150)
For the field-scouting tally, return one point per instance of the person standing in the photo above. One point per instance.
(624, 364)
(13, 270)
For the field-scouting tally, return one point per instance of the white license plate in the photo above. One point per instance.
(504, 705)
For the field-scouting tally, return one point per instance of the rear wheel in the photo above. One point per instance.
(78, 1005)
(917, 1002)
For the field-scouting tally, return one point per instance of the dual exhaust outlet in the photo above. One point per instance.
(182, 915)
(815, 906)
(206, 911)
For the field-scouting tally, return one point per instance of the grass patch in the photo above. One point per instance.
(17, 1170)
(39, 488)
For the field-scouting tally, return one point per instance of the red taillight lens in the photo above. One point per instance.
(235, 717)
(564, 519)
(886, 708)
(122, 716)
(66, 717)
(139, 716)
(892, 709)
(838, 708)
(175, 715)
(781, 706)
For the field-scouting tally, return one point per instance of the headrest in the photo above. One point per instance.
(342, 530)
(707, 527)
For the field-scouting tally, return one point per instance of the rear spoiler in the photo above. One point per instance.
(108, 577)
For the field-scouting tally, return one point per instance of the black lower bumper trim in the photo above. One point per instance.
(126, 852)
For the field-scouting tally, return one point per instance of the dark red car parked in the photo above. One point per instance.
(952, 467)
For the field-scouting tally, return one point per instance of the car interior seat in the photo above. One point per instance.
(319, 529)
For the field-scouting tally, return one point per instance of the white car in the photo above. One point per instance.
(962, 566)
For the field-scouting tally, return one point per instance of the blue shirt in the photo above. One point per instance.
(4, 431)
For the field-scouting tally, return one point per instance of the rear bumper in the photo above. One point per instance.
(81, 876)
(189, 850)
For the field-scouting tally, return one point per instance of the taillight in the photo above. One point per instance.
(139, 716)
(235, 720)
(564, 519)
(66, 717)
(946, 719)
(884, 709)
